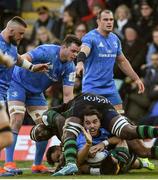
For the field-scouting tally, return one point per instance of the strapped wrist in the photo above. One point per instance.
(27, 65)
(81, 57)
(105, 142)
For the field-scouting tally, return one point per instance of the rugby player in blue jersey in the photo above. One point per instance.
(9, 39)
(26, 89)
(99, 51)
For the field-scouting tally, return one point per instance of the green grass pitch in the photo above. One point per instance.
(134, 174)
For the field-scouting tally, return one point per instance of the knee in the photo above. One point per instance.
(36, 115)
(17, 113)
(123, 129)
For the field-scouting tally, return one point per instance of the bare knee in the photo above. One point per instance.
(17, 113)
(120, 127)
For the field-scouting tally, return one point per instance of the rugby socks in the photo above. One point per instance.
(145, 132)
(40, 150)
(154, 152)
(70, 150)
(10, 150)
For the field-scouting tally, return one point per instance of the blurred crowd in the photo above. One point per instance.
(136, 24)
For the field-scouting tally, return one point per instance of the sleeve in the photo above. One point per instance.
(87, 41)
(80, 141)
(39, 54)
(69, 75)
(119, 50)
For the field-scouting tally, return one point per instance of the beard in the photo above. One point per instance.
(13, 41)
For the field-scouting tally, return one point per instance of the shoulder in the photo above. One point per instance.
(49, 48)
(113, 36)
(104, 132)
(91, 34)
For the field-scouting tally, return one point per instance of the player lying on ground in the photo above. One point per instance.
(93, 147)
(112, 121)
(91, 165)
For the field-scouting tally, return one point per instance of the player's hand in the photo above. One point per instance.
(97, 148)
(79, 69)
(140, 86)
(6, 60)
(40, 67)
(87, 136)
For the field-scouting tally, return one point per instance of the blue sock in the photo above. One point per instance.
(9, 152)
(40, 150)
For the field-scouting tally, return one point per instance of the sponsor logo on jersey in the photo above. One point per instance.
(98, 99)
(14, 94)
(101, 44)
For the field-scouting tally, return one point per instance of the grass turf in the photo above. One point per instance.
(134, 174)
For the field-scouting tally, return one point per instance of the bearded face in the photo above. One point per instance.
(13, 41)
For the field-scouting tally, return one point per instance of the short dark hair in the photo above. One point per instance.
(19, 20)
(155, 29)
(42, 9)
(50, 150)
(105, 11)
(89, 110)
(70, 38)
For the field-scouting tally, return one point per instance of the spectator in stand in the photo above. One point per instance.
(95, 9)
(153, 47)
(80, 29)
(151, 84)
(122, 16)
(147, 20)
(66, 24)
(134, 49)
(45, 20)
(44, 36)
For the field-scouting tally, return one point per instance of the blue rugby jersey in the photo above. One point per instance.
(38, 82)
(98, 76)
(81, 140)
(6, 73)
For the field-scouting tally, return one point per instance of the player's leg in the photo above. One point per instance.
(121, 127)
(71, 130)
(16, 106)
(116, 101)
(36, 106)
(6, 137)
(139, 148)
(16, 111)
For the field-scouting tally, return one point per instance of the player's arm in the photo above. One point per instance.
(25, 62)
(126, 67)
(83, 153)
(81, 57)
(68, 93)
